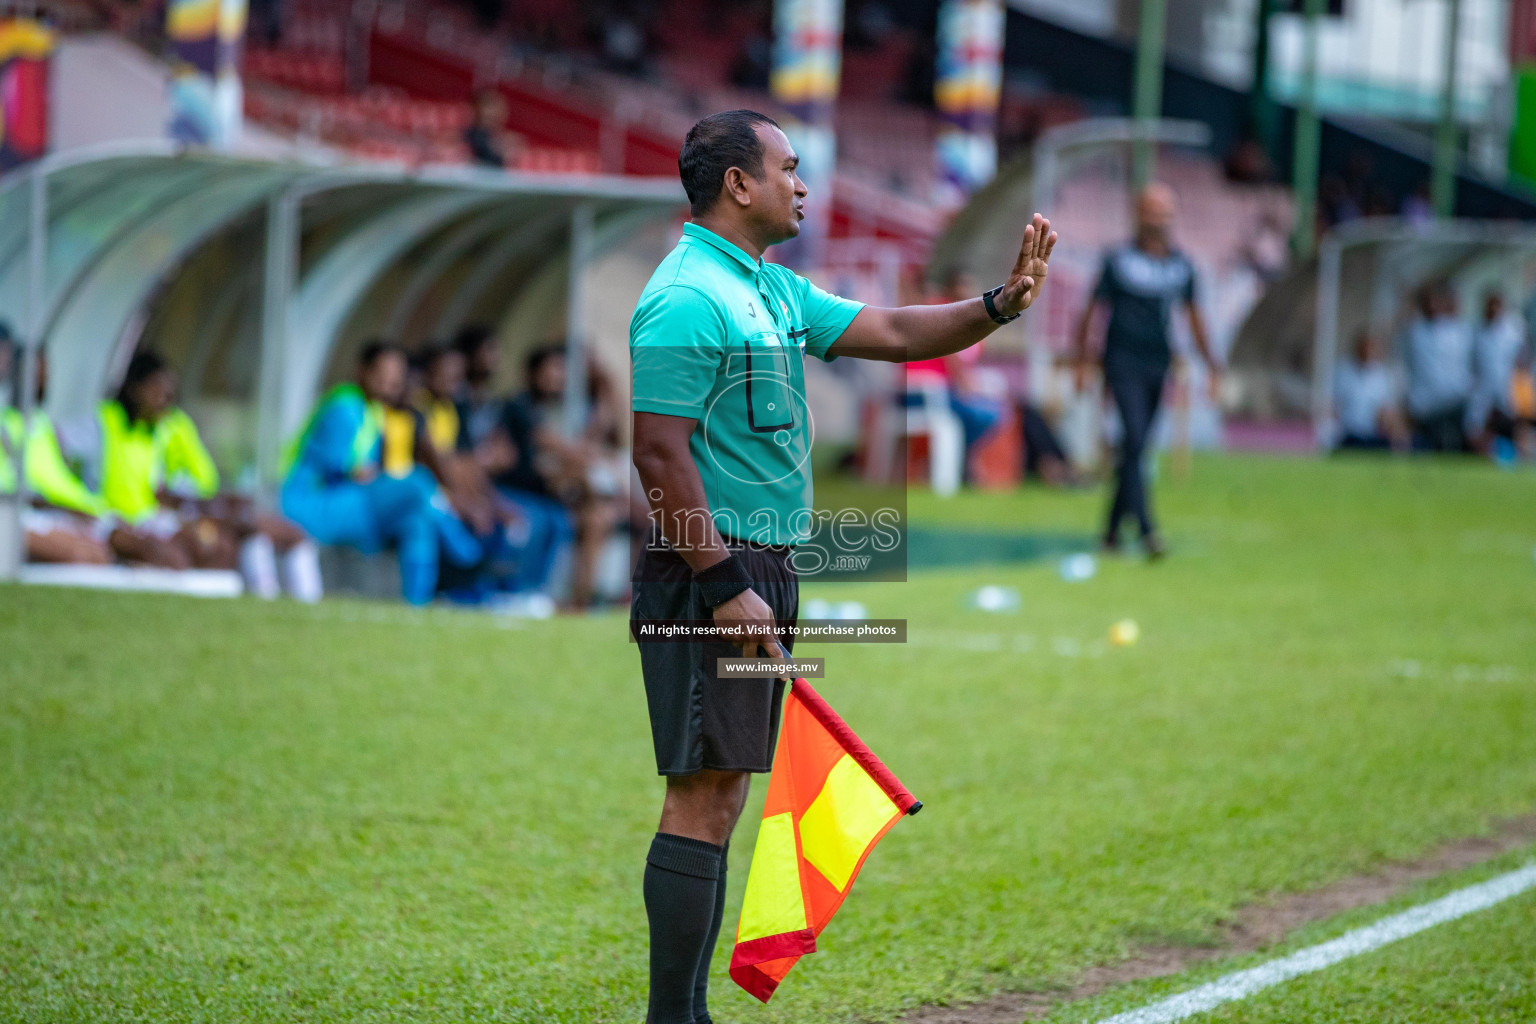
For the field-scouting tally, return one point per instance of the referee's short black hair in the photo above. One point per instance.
(715, 145)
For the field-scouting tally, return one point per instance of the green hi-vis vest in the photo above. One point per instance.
(369, 430)
(48, 475)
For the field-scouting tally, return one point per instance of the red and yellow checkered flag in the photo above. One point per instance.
(830, 800)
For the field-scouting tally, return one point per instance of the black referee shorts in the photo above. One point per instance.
(699, 720)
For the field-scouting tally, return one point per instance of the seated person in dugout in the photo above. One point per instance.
(337, 488)
(979, 413)
(1437, 349)
(520, 550)
(1500, 349)
(70, 522)
(1366, 399)
(1044, 457)
(584, 472)
(145, 456)
(64, 521)
(501, 446)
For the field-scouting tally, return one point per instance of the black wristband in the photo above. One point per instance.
(723, 580)
(997, 318)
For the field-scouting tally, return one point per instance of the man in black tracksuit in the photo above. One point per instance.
(1140, 283)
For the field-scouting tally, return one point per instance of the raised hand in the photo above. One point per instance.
(1028, 275)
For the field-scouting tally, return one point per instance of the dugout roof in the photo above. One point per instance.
(288, 253)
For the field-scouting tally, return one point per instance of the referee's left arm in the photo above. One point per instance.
(909, 333)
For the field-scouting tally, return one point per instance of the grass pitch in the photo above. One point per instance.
(230, 811)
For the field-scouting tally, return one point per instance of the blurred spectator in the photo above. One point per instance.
(621, 39)
(404, 437)
(488, 13)
(1438, 352)
(1366, 399)
(442, 381)
(145, 457)
(69, 522)
(1246, 163)
(337, 491)
(500, 439)
(978, 413)
(869, 24)
(754, 63)
(1267, 253)
(7, 362)
(1499, 346)
(266, 21)
(64, 521)
(1337, 204)
(489, 142)
(583, 470)
(1417, 208)
(480, 408)
(1044, 458)
(519, 559)
(1522, 400)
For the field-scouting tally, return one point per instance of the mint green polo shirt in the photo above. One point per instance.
(721, 338)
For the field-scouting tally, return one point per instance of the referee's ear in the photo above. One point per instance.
(733, 187)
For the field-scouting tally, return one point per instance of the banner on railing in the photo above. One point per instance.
(26, 46)
(807, 66)
(968, 79)
(206, 97)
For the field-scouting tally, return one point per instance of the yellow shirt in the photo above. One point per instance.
(399, 441)
(442, 421)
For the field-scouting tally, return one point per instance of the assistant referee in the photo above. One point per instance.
(722, 440)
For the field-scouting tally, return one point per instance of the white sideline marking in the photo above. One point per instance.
(1241, 984)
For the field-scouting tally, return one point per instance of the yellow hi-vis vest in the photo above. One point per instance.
(132, 463)
(137, 459)
(48, 475)
(188, 468)
(10, 447)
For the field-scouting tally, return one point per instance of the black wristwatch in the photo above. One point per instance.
(997, 318)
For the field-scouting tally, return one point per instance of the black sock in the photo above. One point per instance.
(701, 979)
(680, 887)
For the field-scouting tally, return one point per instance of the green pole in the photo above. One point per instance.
(1308, 140)
(1261, 109)
(1443, 174)
(1147, 105)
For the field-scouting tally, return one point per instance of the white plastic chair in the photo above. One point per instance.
(931, 418)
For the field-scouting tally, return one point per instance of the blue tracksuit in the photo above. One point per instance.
(323, 496)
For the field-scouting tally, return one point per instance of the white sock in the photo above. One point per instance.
(258, 566)
(301, 572)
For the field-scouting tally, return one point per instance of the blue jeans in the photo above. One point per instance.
(548, 529)
(978, 415)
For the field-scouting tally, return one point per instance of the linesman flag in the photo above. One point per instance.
(830, 800)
